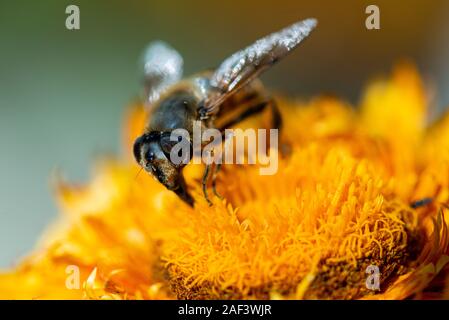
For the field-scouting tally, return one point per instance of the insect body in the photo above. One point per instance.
(219, 99)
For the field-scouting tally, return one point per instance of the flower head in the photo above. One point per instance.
(359, 188)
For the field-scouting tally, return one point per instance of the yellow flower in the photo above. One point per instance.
(339, 204)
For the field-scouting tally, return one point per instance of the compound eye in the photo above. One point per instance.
(137, 148)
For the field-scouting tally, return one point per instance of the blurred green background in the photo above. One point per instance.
(63, 93)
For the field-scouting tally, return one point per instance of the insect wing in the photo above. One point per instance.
(247, 64)
(163, 66)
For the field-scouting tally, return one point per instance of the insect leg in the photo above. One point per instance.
(217, 169)
(204, 183)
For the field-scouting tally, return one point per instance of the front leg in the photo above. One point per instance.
(204, 183)
(216, 170)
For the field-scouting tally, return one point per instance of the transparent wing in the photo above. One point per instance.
(247, 64)
(162, 67)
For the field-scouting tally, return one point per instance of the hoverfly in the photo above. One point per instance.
(219, 99)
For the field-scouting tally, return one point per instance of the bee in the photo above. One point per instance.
(218, 99)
